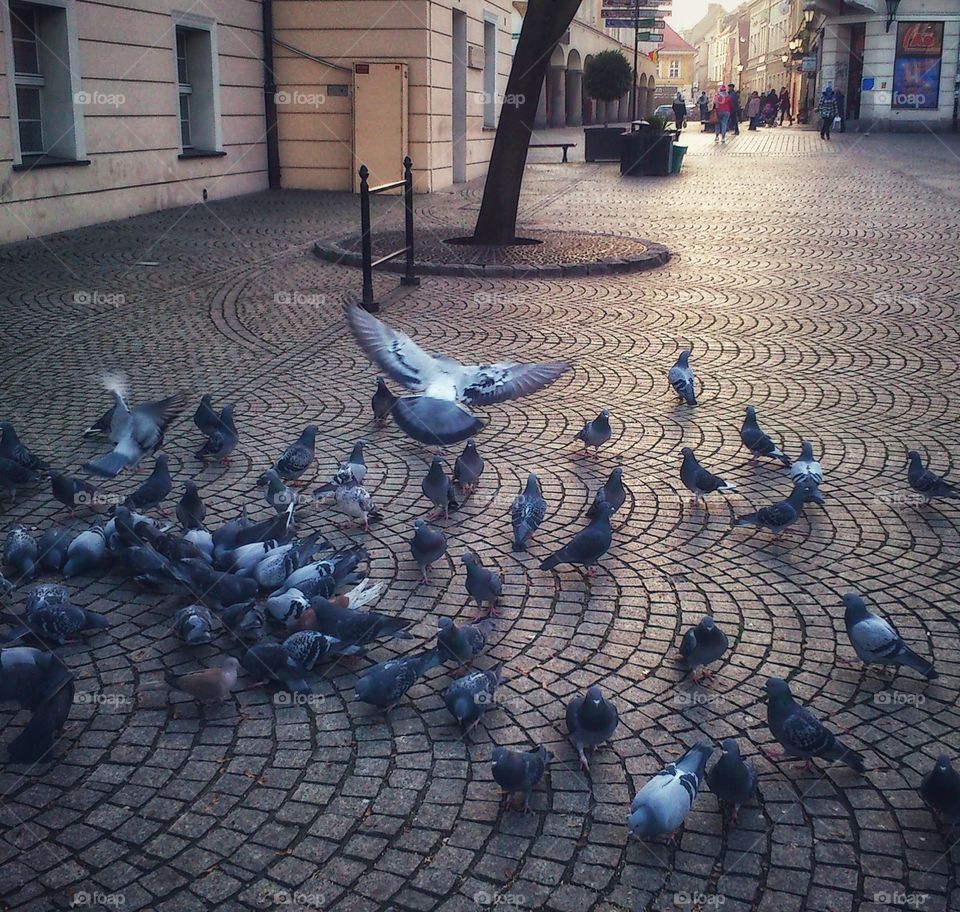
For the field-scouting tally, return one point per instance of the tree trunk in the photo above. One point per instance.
(544, 23)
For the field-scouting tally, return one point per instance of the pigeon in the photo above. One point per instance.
(483, 586)
(468, 468)
(926, 483)
(247, 622)
(519, 771)
(662, 805)
(52, 549)
(75, 492)
(351, 471)
(205, 418)
(439, 490)
(469, 697)
(20, 553)
(297, 457)
(194, 625)
(587, 546)
(595, 433)
(244, 559)
(324, 577)
(29, 676)
(702, 645)
(436, 416)
(86, 552)
(190, 510)
(101, 427)
(215, 589)
(806, 467)
(697, 480)
(349, 626)
(14, 476)
(382, 402)
(591, 721)
(527, 512)
(277, 494)
(309, 646)
(154, 490)
(778, 516)
(135, 433)
(800, 732)
(757, 442)
(212, 685)
(940, 789)
(51, 616)
(11, 448)
(876, 642)
(680, 377)
(222, 440)
(613, 493)
(288, 606)
(385, 684)
(278, 528)
(427, 545)
(280, 563)
(730, 779)
(269, 661)
(39, 736)
(202, 540)
(462, 644)
(355, 501)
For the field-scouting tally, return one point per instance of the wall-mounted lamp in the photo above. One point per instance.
(891, 12)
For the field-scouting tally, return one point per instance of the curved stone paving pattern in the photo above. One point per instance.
(818, 283)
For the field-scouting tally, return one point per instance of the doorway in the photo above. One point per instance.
(459, 83)
(858, 35)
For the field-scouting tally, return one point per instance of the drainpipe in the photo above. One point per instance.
(269, 98)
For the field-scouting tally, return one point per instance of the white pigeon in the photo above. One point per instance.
(356, 502)
(436, 416)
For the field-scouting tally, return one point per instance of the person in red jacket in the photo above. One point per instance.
(723, 105)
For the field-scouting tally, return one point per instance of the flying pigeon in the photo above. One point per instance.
(439, 490)
(483, 586)
(801, 733)
(382, 403)
(680, 377)
(591, 721)
(436, 416)
(702, 645)
(11, 448)
(663, 804)
(595, 433)
(757, 442)
(222, 440)
(469, 697)
(940, 789)
(194, 625)
(519, 771)
(587, 546)
(927, 483)
(468, 468)
(101, 427)
(385, 684)
(191, 511)
(205, 417)
(427, 546)
(154, 490)
(297, 457)
(730, 779)
(51, 616)
(135, 433)
(462, 644)
(212, 685)
(613, 494)
(271, 662)
(777, 516)
(20, 553)
(14, 476)
(527, 512)
(697, 480)
(876, 642)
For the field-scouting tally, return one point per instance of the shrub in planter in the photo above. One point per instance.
(608, 76)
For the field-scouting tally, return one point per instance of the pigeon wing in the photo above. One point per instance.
(801, 730)
(487, 384)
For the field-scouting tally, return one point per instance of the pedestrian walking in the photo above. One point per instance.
(723, 105)
(737, 112)
(753, 109)
(704, 105)
(827, 110)
(770, 105)
(785, 106)
(679, 110)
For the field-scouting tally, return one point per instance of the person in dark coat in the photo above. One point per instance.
(785, 106)
(827, 110)
(737, 115)
(679, 110)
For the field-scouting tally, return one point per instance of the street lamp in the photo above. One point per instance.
(809, 11)
(739, 77)
(891, 12)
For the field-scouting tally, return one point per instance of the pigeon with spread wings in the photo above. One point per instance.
(439, 414)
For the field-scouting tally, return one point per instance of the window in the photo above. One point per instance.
(198, 111)
(489, 73)
(674, 69)
(42, 92)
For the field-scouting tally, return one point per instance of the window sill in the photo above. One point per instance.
(49, 161)
(200, 153)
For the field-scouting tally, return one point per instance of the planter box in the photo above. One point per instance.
(601, 143)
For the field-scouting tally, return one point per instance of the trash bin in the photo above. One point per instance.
(677, 161)
(658, 158)
(633, 148)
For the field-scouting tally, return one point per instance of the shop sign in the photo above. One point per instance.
(916, 67)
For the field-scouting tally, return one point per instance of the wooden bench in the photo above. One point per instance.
(563, 146)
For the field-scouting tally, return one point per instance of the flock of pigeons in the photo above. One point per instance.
(255, 578)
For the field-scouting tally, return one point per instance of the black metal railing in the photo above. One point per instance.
(366, 242)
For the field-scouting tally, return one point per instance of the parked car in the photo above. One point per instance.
(664, 110)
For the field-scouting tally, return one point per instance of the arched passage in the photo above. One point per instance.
(557, 89)
(586, 103)
(574, 89)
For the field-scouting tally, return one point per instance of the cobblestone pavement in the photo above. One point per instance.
(817, 282)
